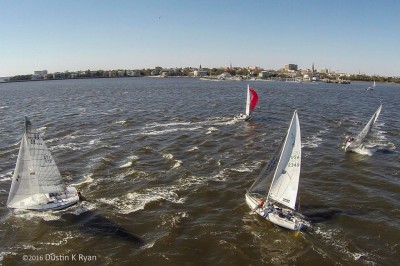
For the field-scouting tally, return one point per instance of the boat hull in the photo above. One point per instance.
(70, 198)
(275, 216)
(243, 117)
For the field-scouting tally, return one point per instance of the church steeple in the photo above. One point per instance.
(313, 69)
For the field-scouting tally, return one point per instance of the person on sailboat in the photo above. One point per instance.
(349, 139)
(260, 204)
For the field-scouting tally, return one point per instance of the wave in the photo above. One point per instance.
(130, 161)
(210, 130)
(29, 215)
(168, 156)
(87, 179)
(177, 164)
(6, 177)
(166, 131)
(69, 146)
(315, 140)
(121, 122)
(94, 141)
(128, 164)
(333, 237)
(133, 201)
(193, 148)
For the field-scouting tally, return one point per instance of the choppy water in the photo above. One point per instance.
(165, 167)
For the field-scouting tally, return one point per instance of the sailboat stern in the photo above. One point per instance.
(277, 215)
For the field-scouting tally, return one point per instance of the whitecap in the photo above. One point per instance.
(41, 129)
(211, 130)
(134, 201)
(120, 122)
(87, 179)
(168, 156)
(312, 142)
(94, 141)
(363, 151)
(70, 146)
(128, 164)
(5, 178)
(193, 148)
(177, 164)
(29, 215)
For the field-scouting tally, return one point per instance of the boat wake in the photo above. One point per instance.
(335, 239)
(209, 125)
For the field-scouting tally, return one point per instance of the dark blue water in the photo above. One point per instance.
(164, 168)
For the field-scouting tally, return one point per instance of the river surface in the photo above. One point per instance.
(164, 168)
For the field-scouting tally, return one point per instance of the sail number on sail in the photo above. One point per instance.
(294, 160)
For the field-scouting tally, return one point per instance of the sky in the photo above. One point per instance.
(342, 36)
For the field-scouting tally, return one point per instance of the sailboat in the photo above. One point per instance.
(278, 204)
(37, 183)
(371, 88)
(352, 143)
(251, 102)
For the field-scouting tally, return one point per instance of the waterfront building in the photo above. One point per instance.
(200, 73)
(291, 67)
(324, 71)
(41, 73)
(263, 74)
(133, 73)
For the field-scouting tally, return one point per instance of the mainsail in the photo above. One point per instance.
(263, 180)
(35, 174)
(285, 181)
(368, 127)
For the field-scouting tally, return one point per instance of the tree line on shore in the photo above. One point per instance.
(189, 72)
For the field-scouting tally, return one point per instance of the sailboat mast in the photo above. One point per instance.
(248, 101)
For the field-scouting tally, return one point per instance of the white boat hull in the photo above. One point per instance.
(293, 222)
(70, 198)
(243, 117)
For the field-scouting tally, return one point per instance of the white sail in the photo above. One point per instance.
(263, 180)
(285, 181)
(248, 101)
(366, 130)
(25, 187)
(36, 174)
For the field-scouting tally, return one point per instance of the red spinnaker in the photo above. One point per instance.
(253, 100)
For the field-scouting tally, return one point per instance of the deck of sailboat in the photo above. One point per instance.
(277, 215)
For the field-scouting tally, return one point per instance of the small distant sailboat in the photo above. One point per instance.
(278, 204)
(251, 102)
(371, 88)
(354, 143)
(37, 183)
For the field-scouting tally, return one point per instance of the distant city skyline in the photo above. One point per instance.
(343, 36)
